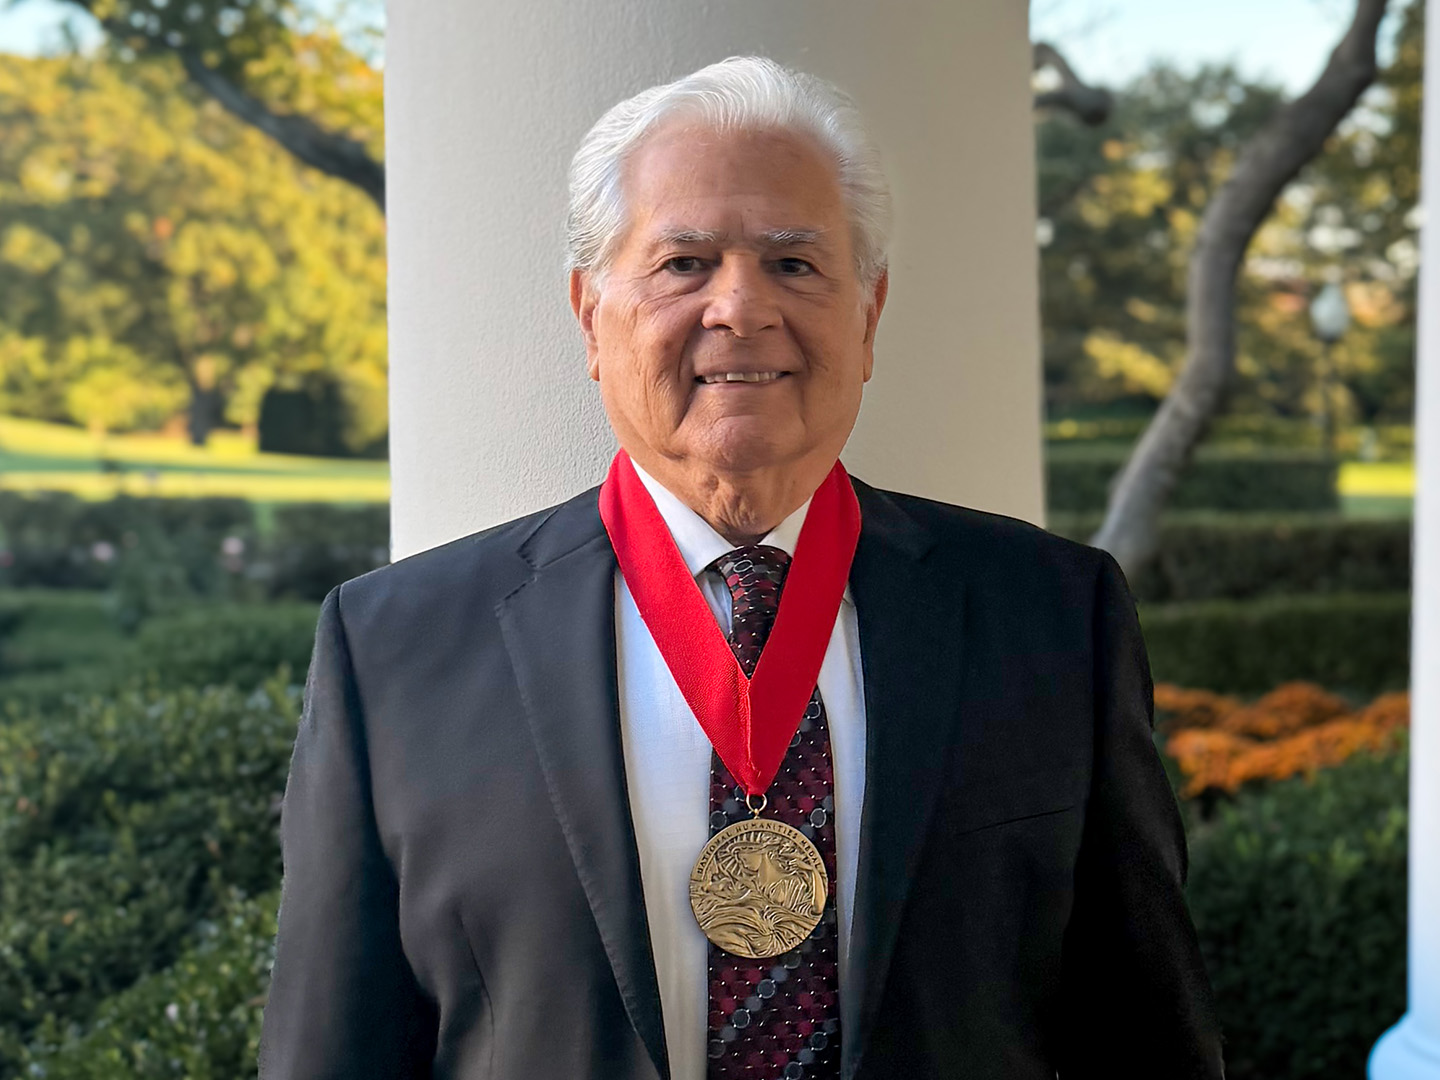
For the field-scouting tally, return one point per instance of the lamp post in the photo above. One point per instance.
(1330, 318)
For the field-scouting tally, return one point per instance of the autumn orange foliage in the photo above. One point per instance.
(1221, 743)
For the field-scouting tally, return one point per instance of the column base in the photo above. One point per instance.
(1405, 1053)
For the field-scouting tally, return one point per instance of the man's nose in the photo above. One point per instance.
(741, 298)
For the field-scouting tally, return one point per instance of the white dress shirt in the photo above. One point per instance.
(667, 771)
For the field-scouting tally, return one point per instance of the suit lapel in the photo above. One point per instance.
(559, 630)
(910, 621)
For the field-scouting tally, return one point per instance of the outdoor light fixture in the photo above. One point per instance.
(1330, 318)
(1330, 314)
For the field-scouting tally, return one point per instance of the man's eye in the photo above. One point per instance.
(793, 267)
(684, 264)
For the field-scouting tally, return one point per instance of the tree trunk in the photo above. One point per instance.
(1293, 136)
(204, 413)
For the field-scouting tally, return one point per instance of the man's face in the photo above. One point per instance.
(731, 332)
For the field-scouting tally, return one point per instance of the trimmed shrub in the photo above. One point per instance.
(157, 554)
(123, 824)
(197, 1020)
(1357, 643)
(46, 630)
(57, 540)
(57, 647)
(1227, 556)
(316, 546)
(1298, 896)
(1078, 480)
(1215, 556)
(234, 644)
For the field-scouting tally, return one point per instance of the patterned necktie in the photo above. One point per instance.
(776, 1018)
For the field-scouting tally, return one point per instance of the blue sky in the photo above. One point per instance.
(34, 26)
(1107, 41)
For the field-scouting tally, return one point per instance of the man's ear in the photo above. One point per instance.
(583, 298)
(873, 307)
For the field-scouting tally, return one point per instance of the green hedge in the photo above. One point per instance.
(235, 644)
(197, 1020)
(43, 630)
(60, 645)
(316, 546)
(1078, 480)
(57, 540)
(156, 553)
(125, 823)
(1352, 642)
(1298, 897)
(1205, 556)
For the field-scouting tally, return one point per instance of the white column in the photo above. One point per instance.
(491, 414)
(1411, 1049)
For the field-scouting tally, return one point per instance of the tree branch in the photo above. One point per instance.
(1091, 104)
(337, 155)
(1270, 160)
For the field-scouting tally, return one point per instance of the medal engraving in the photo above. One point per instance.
(758, 888)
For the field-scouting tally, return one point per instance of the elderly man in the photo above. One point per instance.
(735, 766)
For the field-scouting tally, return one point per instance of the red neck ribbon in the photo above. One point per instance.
(749, 722)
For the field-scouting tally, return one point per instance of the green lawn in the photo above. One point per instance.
(36, 456)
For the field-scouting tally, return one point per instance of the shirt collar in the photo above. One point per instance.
(699, 544)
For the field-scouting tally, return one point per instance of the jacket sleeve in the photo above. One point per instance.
(1135, 1000)
(343, 1002)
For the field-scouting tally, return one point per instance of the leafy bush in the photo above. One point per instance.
(59, 646)
(197, 1020)
(158, 554)
(1216, 556)
(1298, 896)
(123, 824)
(1394, 442)
(58, 540)
(316, 546)
(1078, 480)
(45, 630)
(235, 644)
(1358, 643)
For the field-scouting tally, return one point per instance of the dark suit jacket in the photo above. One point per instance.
(462, 891)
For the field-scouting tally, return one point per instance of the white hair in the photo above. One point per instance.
(743, 93)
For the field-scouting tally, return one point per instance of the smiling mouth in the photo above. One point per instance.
(741, 377)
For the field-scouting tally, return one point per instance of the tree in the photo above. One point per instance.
(1270, 159)
(1118, 209)
(155, 254)
(237, 51)
(258, 59)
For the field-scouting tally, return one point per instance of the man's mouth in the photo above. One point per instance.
(741, 376)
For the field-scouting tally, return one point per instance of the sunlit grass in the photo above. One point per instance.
(1377, 478)
(36, 456)
(189, 485)
(226, 449)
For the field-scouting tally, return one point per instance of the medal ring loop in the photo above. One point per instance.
(755, 810)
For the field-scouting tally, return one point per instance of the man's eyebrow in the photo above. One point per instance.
(688, 236)
(771, 238)
(791, 237)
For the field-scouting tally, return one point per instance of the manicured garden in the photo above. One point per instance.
(152, 653)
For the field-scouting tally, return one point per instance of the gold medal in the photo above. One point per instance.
(758, 888)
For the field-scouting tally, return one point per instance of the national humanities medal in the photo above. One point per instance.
(759, 886)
